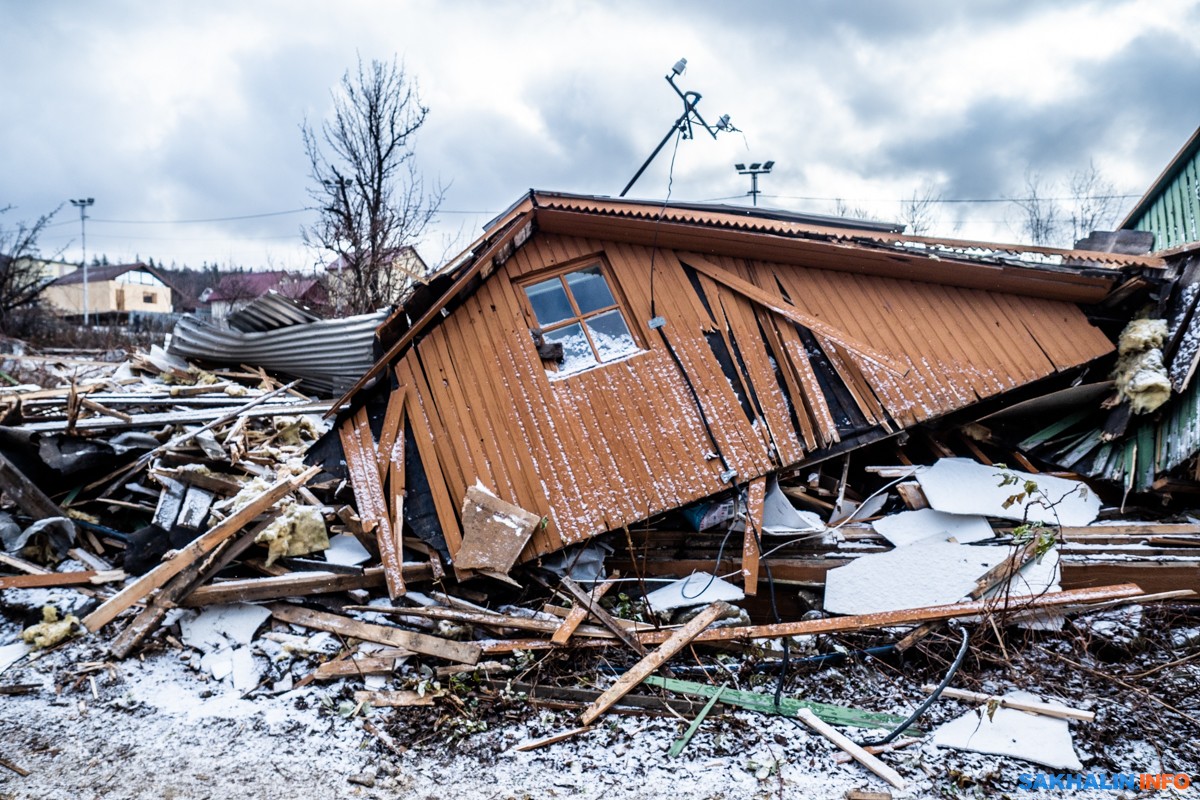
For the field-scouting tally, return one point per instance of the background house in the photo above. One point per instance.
(238, 290)
(115, 292)
(405, 263)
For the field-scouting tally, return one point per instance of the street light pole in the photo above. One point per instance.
(83, 204)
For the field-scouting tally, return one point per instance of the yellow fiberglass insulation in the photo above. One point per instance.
(51, 630)
(1140, 373)
(298, 531)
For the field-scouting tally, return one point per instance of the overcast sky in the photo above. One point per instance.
(168, 111)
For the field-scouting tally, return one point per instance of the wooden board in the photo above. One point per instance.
(670, 646)
(462, 652)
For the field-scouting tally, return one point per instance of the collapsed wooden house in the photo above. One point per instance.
(597, 362)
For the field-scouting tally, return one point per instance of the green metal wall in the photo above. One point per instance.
(1174, 215)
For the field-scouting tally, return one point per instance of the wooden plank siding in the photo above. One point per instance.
(621, 442)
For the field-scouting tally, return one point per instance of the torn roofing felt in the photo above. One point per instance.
(700, 347)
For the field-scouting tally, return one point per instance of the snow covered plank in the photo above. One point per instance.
(462, 652)
(197, 549)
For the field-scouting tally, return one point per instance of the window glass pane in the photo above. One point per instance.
(590, 290)
(611, 335)
(549, 301)
(577, 353)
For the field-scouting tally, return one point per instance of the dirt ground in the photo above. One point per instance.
(156, 727)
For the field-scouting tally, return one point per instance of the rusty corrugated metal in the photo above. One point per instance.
(868, 233)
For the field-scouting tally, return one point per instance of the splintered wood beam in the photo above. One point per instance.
(394, 699)
(861, 756)
(362, 462)
(755, 498)
(786, 309)
(250, 590)
(24, 493)
(672, 645)
(197, 549)
(594, 608)
(885, 619)
(1045, 709)
(174, 590)
(580, 612)
(462, 652)
(52, 579)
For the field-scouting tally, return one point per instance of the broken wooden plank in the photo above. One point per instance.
(1045, 709)
(490, 619)
(394, 699)
(580, 612)
(146, 622)
(24, 493)
(197, 549)
(755, 497)
(885, 619)
(84, 577)
(362, 463)
(876, 749)
(683, 740)
(249, 590)
(494, 533)
(357, 667)
(584, 599)
(24, 773)
(784, 308)
(861, 756)
(462, 652)
(788, 706)
(636, 674)
(554, 739)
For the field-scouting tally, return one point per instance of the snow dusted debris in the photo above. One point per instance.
(12, 653)
(698, 589)
(908, 527)
(962, 486)
(1008, 732)
(929, 572)
(346, 551)
(223, 633)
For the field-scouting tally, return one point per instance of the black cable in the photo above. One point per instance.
(921, 709)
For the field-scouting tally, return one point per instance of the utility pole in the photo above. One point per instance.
(83, 204)
(754, 170)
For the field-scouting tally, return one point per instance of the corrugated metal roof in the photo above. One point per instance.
(329, 355)
(269, 312)
(861, 232)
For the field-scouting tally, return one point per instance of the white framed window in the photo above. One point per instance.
(578, 308)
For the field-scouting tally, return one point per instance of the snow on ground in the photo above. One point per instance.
(159, 727)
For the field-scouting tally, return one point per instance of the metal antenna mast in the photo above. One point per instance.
(754, 170)
(683, 124)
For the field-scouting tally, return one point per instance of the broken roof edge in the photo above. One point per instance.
(804, 225)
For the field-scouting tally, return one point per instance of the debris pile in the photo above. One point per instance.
(203, 532)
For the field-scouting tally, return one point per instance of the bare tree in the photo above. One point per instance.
(1041, 215)
(22, 275)
(372, 201)
(919, 212)
(842, 209)
(1093, 202)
